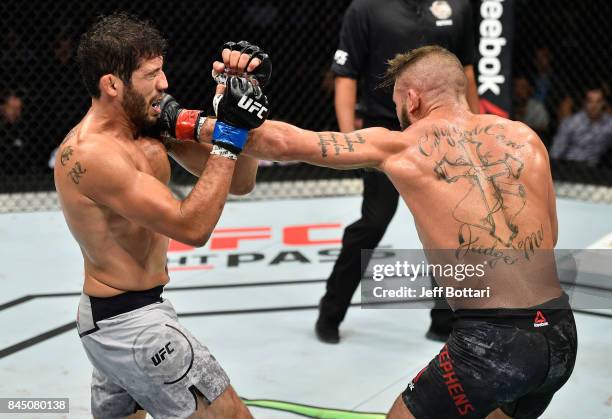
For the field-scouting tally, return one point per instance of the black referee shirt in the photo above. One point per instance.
(374, 31)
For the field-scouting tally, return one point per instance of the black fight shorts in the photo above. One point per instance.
(513, 359)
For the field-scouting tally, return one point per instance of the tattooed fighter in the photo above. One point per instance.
(112, 185)
(480, 189)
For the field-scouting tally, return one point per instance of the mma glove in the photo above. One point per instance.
(176, 122)
(262, 72)
(242, 107)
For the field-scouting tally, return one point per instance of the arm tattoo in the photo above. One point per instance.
(345, 142)
(76, 172)
(65, 155)
(323, 144)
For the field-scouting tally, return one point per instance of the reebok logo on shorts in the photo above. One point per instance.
(540, 320)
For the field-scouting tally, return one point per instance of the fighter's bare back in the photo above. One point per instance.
(479, 187)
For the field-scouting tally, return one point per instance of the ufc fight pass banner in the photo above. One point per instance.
(494, 57)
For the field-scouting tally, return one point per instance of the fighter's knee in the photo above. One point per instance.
(498, 414)
(399, 410)
(139, 414)
(227, 405)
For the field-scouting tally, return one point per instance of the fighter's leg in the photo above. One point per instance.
(140, 414)
(498, 414)
(227, 405)
(108, 399)
(399, 410)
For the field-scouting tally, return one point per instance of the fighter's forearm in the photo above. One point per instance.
(203, 207)
(190, 155)
(245, 175)
(193, 156)
(274, 140)
(279, 141)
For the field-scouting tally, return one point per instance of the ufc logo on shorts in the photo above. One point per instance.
(251, 106)
(161, 354)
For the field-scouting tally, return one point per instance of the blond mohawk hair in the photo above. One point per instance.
(402, 62)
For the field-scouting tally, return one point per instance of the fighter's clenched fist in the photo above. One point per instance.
(245, 59)
(242, 107)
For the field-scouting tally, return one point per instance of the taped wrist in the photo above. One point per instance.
(188, 123)
(229, 137)
(220, 151)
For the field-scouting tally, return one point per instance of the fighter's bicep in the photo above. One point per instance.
(145, 200)
(135, 195)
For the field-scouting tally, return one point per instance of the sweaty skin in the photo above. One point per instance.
(118, 254)
(478, 186)
(112, 186)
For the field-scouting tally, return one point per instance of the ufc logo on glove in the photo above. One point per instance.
(251, 106)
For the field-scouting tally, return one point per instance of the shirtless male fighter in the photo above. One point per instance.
(112, 185)
(480, 186)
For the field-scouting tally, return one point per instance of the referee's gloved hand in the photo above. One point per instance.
(241, 107)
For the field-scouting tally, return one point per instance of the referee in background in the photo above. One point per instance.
(374, 31)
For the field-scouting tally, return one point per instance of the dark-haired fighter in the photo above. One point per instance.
(112, 185)
(481, 186)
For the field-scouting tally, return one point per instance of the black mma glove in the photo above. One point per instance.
(242, 107)
(175, 121)
(262, 72)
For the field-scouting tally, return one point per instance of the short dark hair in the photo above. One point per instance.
(115, 44)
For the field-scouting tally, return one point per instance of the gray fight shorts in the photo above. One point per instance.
(143, 358)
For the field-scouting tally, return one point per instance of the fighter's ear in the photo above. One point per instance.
(110, 85)
(414, 101)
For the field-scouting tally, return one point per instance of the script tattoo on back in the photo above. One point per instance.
(492, 182)
(338, 142)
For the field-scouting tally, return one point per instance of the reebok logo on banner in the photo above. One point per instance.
(540, 320)
(491, 44)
